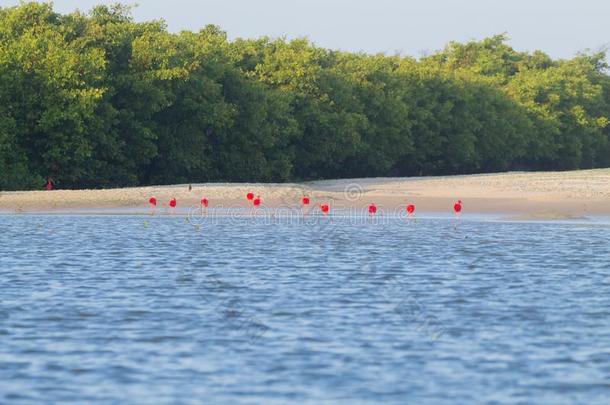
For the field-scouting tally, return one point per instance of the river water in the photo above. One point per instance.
(238, 309)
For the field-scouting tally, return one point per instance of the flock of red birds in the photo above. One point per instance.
(324, 207)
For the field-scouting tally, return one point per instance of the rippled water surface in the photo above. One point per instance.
(134, 309)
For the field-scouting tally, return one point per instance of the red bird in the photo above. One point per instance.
(250, 196)
(372, 209)
(305, 200)
(257, 201)
(152, 201)
(457, 207)
(172, 203)
(204, 202)
(324, 208)
(410, 209)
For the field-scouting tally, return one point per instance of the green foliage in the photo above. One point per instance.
(98, 100)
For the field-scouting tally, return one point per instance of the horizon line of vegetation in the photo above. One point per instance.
(98, 100)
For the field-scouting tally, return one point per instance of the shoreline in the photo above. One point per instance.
(536, 195)
(271, 216)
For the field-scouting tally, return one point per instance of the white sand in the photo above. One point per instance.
(544, 194)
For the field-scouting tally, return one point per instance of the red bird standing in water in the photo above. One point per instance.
(172, 202)
(457, 207)
(204, 202)
(305, 200)
(250, 196)
(410, 209)
(372, 209)
(152, 202)
(257, 201)
(324, 208)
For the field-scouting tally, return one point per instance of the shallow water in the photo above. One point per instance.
(103, 309)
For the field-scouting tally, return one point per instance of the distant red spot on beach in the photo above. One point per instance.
(324, 208)
(410, 209)
(372, 209)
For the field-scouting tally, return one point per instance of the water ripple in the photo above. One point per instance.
(98, 309)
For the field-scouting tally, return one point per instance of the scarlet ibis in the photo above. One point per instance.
(257, 201)
(204, 202)
(324, 208)
(372, 209)
(172, 202)
(152, 201)
(305, 200)
(410, 209)
(457, 207)
(250, 196)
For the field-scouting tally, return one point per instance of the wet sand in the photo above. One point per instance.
(520, 195)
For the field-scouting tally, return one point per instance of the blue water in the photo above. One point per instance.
(135, 309)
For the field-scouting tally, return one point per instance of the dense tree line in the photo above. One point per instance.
(98, 100)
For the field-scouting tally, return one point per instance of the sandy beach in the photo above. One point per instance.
(540, 195)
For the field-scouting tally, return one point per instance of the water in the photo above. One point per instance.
(134, 309)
